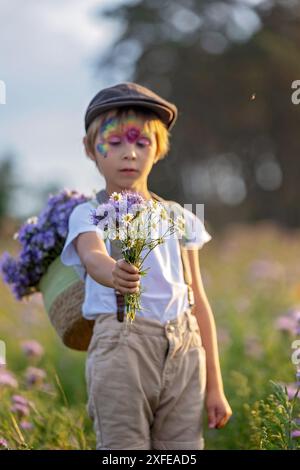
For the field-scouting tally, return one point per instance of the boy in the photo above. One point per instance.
(146, 388)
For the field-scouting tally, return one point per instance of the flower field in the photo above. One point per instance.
(252, 279)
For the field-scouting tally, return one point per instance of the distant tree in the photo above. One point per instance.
(229, 67)
(7, 184)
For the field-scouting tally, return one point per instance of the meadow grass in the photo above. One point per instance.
(251, 276)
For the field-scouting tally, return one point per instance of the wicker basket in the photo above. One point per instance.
(63, 295)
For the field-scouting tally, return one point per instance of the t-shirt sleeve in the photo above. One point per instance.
(79, 222)
(195, 234)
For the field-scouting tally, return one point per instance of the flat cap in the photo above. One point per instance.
(129, 93)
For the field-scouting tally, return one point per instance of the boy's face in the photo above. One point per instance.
(128, 147)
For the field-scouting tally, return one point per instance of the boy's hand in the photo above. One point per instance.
(126, 279)
(218, 409)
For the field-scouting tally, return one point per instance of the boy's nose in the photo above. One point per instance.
(129, 151)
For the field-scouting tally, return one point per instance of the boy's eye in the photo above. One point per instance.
(144, 142)
(141, 142)
(114, 141)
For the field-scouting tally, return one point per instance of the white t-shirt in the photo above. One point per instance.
(164, 296)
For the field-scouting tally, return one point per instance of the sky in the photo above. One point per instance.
(48, 52)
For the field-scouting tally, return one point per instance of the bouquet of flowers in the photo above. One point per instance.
(139, 225)
(42, 239)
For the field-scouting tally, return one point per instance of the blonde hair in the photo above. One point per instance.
(152, 124)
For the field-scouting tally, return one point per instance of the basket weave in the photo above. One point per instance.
(63, 295)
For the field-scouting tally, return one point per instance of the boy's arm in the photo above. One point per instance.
(206, 322)
(218, 408)
(93, 254)
(105, 270)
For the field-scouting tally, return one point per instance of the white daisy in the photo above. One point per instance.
(116, 196)
(32, 220)
(164, 214)
(180, 223)
(127, 218)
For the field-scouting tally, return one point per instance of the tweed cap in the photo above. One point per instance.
(129, 93)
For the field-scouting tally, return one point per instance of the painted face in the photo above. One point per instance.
(114, 133)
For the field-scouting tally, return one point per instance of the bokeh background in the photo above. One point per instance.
(230, 67)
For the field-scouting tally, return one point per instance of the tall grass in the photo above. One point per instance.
(251, 276)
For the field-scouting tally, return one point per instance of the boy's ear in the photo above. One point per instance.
(86, 148)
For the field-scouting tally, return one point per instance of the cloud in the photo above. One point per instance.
(47, 52)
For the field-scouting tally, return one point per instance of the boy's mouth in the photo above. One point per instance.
(129, 170)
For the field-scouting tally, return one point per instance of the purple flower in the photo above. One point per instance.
(19, 291)
(34, 376)
(48, 239)
(117, 205)
(290, 321)
(7, 379)
(18, 399)
(26, 425)
(8, 267)
(32, 348)
(100, 215)
(20, 410)
(292, 390)
(295, 433)
(131, 197)
(262, 269)
(3, 443)
(62, 230)
(42, 239)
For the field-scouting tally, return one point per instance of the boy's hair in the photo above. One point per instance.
(152, 124)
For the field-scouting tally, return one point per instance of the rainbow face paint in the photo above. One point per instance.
(114, 132)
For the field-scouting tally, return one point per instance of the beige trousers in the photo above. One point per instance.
(146, 383)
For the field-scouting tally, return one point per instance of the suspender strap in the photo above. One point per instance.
(120, 306)
(187, 274)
